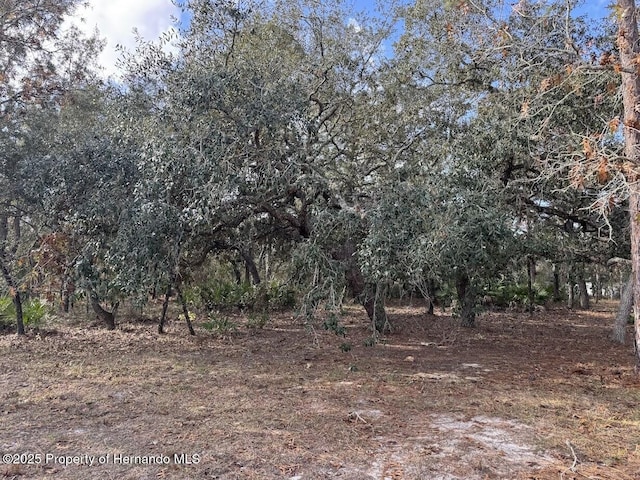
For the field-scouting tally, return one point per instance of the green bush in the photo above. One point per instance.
(220, 325)
(226, 295)
(34, 312)
(445, 294)
(258, 321)
(507, 294)
(7, 311)
(220, 295)
(332, 323)
(281, 295)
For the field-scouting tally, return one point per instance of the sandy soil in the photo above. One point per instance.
(541, 397)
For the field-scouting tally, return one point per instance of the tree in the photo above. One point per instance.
(39, 64)
(625, 309)
(85, 185)
(251, 133)
(629, 47)
(587, 153)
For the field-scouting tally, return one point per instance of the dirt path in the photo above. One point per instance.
(542, 397)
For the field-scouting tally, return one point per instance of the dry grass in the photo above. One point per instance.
(532, 397)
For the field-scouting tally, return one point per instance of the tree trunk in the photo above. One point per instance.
(165, 307)
(531, 278)
(556, 284)
(618, 293)
(427, 289)
(629, 52)
(108, 318)
(584, 293)
(373, 302)
(68, 289)
(185, 310)
(17, 234)
(6, 274)
(570, 294)
(367, 294)
(369, 297)
(251, 270)
(264, 261)
(624, 310)
(66, 301)
(431, 308)
(236, 271)
(17, 302)
(467, 300)
(431, 290)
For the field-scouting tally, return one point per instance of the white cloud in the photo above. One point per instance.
(116, 20)
(353, 23)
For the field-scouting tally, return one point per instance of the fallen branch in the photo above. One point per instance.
(355, 416)
(572, 468)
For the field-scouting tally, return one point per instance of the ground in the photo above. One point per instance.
(543, 396)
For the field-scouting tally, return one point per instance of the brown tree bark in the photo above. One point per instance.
(624, 310)
(556, 284)
(185, 310)
(467, 298)
(236, 271)
(108, 318)
(366, 293)
(431, 290)
(68, 289)
(531, 278)
(629, 53)
(251, 270)
(165, 307)
(15, 296)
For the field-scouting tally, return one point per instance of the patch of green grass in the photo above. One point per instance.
(220, 325)
(258, 321)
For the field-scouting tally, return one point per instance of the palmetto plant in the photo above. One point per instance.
(34, 311)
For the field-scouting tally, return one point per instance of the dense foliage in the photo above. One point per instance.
(434, 145)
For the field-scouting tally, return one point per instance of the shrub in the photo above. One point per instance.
(281, 296)
(332, 323)
(507, 294)
(34, 312)
(226, 295)
(219, 325)
(7, 311)
(220, 295)
(258, 321)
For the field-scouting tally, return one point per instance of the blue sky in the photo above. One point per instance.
(595, 8)
(116, 20)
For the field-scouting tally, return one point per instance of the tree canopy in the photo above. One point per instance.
(437, 145)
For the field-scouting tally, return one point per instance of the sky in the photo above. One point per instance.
(116, 20)
(595, 8)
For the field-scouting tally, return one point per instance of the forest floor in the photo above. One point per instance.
(546, 396)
